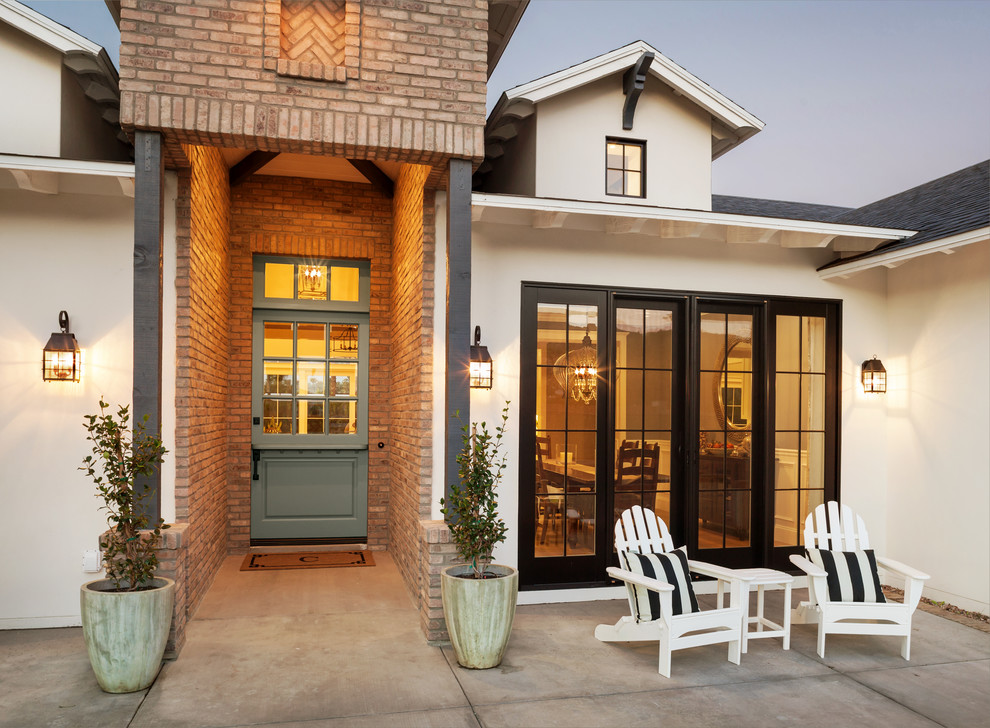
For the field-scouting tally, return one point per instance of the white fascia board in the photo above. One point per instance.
(605, 209)
(894, 258)
(662, 67)
(65, 166)
(44, 29)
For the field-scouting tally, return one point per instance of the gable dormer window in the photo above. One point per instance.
(625, 168)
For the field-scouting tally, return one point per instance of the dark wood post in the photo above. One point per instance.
(458, 393)
(149, 188)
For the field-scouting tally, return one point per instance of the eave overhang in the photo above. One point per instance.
(731, 124)
(900, 255)
(674, 223)
(48, 175)
(87, 60)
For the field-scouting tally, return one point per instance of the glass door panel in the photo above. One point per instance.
(566, 418)
(643, 407)
(725, 434)
(799, 408)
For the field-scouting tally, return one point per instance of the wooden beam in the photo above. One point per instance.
(622, 225)
(374, 175)
(249, 165)
(545, 219)
(633, 83)
(457, 392)
(36, 181)
(146, 394)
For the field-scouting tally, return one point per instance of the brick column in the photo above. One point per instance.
(438, 553)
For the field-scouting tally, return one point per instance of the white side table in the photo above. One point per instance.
(761, 578)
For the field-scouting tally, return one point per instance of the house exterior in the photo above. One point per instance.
(725, 337)
(314, 184)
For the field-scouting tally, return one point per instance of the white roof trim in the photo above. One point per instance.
(722, 108)
(894, 258)
(65, 166)
(44, 29)
(607, 209)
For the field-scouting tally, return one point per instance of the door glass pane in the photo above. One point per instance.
(788, 401)
(310, 377)
(629, 337)
(659, 339)
(309, 417)
(344, 283)
(343, 341)
(342, 417)
(579, 512)
(628, 399)
(343, 380)
(580, 461)
(278, 377)
(278, 339)
(712, 341)
(657, 401)
(311, 340)
(279, 280)
(277, 416)
(788, 343)
(813, 344)
(312, 282)
(813, 402)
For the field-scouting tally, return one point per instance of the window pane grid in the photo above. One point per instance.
(625, 172)
(799, 477)
(566, 474)
(305, 390)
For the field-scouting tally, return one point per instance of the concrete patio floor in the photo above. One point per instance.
(343, 647)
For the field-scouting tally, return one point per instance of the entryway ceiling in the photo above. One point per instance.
(313, 167)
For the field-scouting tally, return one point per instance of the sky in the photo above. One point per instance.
(861, 98)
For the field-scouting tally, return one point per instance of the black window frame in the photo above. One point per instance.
(641, 143)
(550, 573)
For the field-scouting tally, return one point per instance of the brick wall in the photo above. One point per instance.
(313, 218)
(202, 353)
(412, 87)
(410, 459)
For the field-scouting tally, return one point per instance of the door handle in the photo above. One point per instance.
(255, 456)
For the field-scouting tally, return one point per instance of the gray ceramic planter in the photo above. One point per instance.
(479, 613)
(126, 632)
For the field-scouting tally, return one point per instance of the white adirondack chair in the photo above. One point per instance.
(640, 531)
(836, 528)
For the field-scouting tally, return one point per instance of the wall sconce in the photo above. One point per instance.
(61, 359)
(874, 377)
(481, 363)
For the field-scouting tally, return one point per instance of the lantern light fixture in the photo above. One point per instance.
(481, 363)
(577, 370)
(61, 359)
(874, 376)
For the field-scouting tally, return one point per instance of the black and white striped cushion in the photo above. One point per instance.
(852, 575)
(672, 568)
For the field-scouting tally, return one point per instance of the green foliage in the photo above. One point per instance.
(119, 458)
(472, 509)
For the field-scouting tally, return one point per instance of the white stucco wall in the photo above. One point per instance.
(31, 83)
(571, 131)
(938, 421)
(509, 255)
(71, 252)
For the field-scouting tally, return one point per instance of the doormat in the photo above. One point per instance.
(306, 560)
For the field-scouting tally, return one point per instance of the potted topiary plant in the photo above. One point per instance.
(479, 598)
(126, 616)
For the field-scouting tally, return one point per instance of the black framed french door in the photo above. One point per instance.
(720, 413)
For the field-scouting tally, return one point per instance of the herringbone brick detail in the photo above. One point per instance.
(313, 31)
